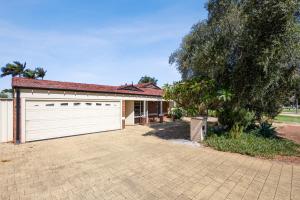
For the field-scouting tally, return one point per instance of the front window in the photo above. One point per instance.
(138, 108)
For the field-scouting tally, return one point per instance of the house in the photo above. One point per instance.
(44, 109)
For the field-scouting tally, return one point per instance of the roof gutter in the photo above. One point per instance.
(102, 92)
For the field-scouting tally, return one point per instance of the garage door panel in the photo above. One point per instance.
(58, 112)
(36, 125)
(65, 115)
(56, 132)
(50, 119)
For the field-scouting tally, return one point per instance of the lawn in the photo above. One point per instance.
(283, 118)
(289, 110)
(253, 145)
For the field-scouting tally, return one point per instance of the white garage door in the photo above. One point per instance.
(51, 119)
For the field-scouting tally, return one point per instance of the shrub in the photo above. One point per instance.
(231, 117)
(176, 113)
(236, 131)
(212, 113)
(265, 129)
(253, 145)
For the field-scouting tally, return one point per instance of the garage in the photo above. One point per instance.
(53, 119)
(46, 109)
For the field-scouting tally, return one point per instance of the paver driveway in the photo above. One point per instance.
(131, 164)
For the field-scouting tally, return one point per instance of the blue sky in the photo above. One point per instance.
(96, 41)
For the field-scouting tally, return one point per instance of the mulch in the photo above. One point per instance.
(291, 132)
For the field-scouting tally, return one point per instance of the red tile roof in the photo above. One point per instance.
(18, 82)
(147, 85)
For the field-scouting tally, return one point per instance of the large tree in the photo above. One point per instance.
(40, 72)
(14, 69)
(6, 93)
(18, 69)
(295, 92)
(249, 48)
(148, 79)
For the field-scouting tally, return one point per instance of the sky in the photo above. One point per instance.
(96, 41)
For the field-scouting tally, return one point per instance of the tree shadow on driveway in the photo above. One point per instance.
(170, 130)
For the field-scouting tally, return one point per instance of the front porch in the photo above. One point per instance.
(145, 112)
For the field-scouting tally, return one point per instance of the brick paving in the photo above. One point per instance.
(133, 164)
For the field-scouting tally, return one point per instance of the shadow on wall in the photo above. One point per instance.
(170, 130)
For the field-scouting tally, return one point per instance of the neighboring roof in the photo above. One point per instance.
(19, 82)
(129, 87)
(147, 85)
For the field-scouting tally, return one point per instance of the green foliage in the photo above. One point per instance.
(236, 131)
(253, 145)
(266, 130)
(148, 79)
(40, 72)
(224, 95)
(3, 95)
(250, 48)
(229, 117)
(193, 95)
(177, 113)
(212, 113)
(28, 73)
(19, 69)
(14, 69)
(6, 93)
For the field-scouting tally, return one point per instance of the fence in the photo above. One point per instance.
(6, 120)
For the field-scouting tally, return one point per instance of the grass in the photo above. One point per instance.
(289, 110)
(253, 145)
(283, 118)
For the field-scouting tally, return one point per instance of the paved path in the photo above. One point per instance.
(290, 114)
(135, 164)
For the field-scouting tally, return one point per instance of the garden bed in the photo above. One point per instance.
(254, 145)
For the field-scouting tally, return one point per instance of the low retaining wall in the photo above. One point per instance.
(6, 120)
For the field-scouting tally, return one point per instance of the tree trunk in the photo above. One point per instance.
(296, 105)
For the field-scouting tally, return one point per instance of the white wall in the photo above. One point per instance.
(129, 112)
(6, 120)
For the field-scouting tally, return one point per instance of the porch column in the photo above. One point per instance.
(161, 115)
(145, 112)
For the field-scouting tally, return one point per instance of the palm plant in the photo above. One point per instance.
(40, 72)
(18, 69)
(14, 69)
(28, 73)
(224, 95)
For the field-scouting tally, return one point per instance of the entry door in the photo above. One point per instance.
(52, 119)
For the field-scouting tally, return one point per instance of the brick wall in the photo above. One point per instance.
(152, 107)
